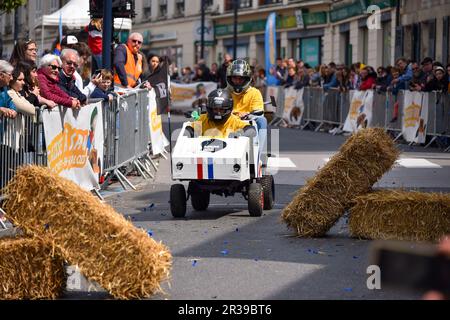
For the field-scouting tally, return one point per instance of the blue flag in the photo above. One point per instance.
(271, 50)
(60, 29)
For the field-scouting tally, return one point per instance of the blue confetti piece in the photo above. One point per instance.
(151, 206)
(225, 242)
(355, 257)
(150, 233)
(224, 252)
(309, 250)
(348, 289)
(46, 226)
(237, 229)
(194, 263)
(256, 259)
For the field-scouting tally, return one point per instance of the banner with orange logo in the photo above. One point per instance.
(158, 139)
(293, 106)
(74, 142)
(360, 113)
(184, 95)
(415, 116)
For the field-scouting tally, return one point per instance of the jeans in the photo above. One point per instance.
(261, 123)
(96, 62)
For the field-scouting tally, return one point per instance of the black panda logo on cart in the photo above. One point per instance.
(213, 145)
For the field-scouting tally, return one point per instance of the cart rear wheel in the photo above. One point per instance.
(178, 200)
(200, 200)
(255, 200)
(268, 185)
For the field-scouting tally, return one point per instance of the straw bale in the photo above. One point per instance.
(107, 248)
(360, 162)
(401, 215)
(30, 270)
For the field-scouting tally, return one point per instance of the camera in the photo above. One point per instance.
(120, 8)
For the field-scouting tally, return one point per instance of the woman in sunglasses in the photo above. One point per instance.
(24, 51)
(48, 76)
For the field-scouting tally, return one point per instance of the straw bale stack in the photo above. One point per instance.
(107, 248)
(360, 162)
(29, 270)
(401, 215)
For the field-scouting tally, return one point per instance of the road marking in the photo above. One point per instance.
(411, 163)
(273, 162)
(416, 163)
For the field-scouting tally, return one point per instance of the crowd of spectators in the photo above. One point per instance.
(71, 76)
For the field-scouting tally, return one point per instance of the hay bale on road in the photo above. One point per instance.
(29, 270)
(107, 248)
(401, 215)
(360, 162)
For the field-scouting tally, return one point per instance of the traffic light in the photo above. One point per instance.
(121, 8)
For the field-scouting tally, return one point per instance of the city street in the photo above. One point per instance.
(224, 253)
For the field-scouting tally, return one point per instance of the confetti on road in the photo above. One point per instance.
(194, 263)
(46, 226)
(348, 289)
(225, 242)
(150, 233)
(224, 252)
(355, 257)
(237, 229)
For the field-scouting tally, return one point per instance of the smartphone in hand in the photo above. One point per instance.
(414, 266)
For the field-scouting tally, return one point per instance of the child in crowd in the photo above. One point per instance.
(103, 89)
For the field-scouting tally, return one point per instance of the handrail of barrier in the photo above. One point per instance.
(332, 107)
(126, 139)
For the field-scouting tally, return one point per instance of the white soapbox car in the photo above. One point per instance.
(221, 167)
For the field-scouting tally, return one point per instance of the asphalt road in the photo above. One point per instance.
(223, 253)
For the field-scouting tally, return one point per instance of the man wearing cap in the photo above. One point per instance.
(128, 62)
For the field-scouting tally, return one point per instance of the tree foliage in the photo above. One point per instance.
(9, 5)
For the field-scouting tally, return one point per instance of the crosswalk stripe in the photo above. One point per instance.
(275, 162)
(411, 163)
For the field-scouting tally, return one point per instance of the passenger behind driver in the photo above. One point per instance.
(246, 99)
(219, 121)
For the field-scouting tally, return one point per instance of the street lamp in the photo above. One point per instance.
(108, 30)
(235, 8)
(202, 26)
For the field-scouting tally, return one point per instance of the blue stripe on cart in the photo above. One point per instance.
(210, 169)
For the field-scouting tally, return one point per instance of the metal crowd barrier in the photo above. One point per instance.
(126, 140)
(21, 143)
(332, 107)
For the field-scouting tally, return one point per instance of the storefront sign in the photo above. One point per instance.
(310, 51)
(208, 31)
(313, 18)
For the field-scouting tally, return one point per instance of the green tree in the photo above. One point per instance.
(9, 5)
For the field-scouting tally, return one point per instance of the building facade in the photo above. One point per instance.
(28, 25)
(317, 31)
(425, 30)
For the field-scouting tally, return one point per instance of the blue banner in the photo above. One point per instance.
(271, 50)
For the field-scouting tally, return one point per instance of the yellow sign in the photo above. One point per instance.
(412, 115)
(155, 121)
(68, 149)
(354, 108)
(181, 94)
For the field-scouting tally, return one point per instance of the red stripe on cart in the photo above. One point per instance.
(199, 169)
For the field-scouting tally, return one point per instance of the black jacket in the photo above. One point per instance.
(68, 85)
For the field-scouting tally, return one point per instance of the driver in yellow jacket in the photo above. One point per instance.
(219, 121)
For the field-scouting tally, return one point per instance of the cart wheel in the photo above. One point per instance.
(268, 186)
(200, 200)
(178, 200)
(255, 199)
